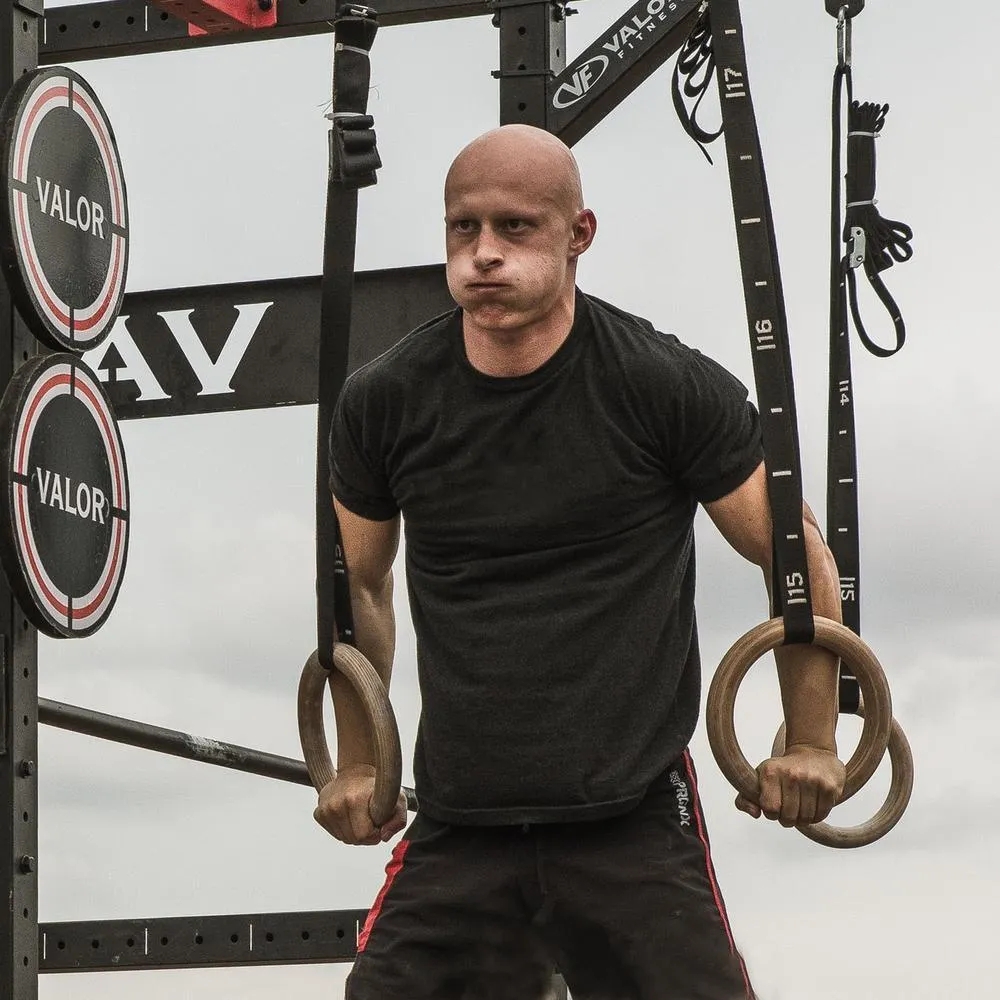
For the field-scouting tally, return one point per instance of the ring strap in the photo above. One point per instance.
(842, 518)
(353, 162)
(766, 318)
(874, 243)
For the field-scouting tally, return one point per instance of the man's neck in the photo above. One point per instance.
(510, 353)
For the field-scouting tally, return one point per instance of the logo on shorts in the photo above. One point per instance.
(683, 797)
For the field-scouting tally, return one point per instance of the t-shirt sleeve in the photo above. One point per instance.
(717, 439)
(357, 471)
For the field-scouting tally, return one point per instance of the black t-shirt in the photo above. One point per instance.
(548, 524)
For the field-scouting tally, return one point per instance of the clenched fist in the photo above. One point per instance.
(344, 808)
(797, 788)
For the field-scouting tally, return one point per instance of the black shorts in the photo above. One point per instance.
(626, 908)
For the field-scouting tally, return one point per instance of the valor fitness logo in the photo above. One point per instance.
(623, 39)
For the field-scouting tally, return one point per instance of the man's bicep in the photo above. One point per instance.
(369, 546)
(743, 516)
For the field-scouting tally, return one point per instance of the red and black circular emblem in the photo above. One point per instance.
(65, 218)
(65, 534)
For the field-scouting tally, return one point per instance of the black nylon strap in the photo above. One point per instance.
(766, 319)
(353, 161)
(875, 243)
(842, 463)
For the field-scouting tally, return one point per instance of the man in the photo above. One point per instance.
(548, 452)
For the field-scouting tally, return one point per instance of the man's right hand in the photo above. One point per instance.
(343, 809)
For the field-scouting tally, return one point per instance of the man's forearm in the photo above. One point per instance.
(375, 631)
(808, 675)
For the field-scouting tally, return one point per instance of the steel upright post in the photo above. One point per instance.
(19, 34)
(532, 52)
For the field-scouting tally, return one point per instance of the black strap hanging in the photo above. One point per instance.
(842, 518)
(353, 162)
(874, 243)
(718, 39)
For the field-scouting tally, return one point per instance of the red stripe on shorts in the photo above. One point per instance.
(710, 868)
(392, 869)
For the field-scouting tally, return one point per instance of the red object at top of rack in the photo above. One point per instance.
(217, 16)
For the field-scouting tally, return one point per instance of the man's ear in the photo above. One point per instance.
(584, 231)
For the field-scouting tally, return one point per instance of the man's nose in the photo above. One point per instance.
(488, 252)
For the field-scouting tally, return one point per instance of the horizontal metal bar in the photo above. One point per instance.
(200, 942)
(135, 27)
(178, 744)
(319, 936)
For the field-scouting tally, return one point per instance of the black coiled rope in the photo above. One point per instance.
(886, 241)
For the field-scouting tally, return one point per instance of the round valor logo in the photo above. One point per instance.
(64, 539)
(65, 218)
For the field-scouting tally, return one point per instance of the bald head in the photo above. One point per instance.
(515, 226)
(523, 157)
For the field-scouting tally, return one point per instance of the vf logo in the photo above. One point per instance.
(583, 79)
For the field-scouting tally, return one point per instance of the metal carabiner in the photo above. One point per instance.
(843, 39)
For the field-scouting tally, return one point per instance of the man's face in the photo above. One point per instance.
(509, 243)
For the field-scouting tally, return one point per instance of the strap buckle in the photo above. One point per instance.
(356, 10)
(857, 247)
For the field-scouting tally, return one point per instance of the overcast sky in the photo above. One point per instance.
(225, 160)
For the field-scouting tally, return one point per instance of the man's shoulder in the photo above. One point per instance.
(418, 354)
(639, 337)
(615, 316)
(659, 362)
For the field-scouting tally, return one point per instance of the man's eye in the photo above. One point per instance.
(516, 225)
(463, 226)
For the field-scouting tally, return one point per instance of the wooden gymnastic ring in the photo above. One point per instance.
(385, 735)
(831, 635)
(892, 809)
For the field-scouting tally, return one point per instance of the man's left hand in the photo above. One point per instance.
(799, 787)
